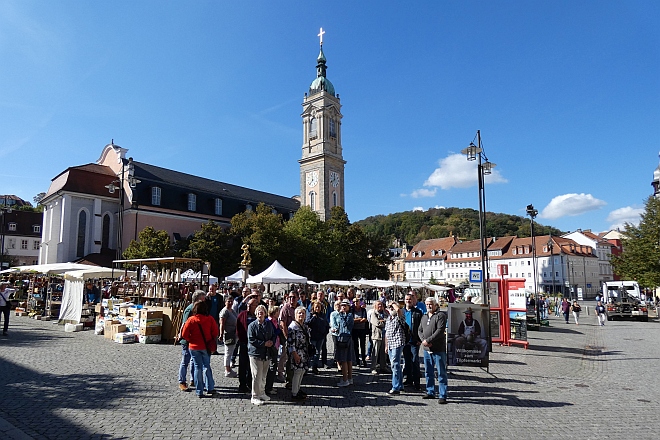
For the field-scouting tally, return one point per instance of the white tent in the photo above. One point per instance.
(72, 296)
(237, 277)
(190, 275)
(53, 268)
(276, 273)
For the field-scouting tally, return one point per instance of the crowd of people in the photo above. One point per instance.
(281, 343)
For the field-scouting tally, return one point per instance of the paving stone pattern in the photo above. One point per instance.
(581, 381)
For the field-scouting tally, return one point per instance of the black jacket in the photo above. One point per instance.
(416, 319)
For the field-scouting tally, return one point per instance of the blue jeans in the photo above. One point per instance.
(203, 373)
(436, 362)
(395, 364)
(411, 370)
(185, 361)
(318, 344)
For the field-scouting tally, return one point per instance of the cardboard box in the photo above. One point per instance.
(124, 338)
(151, 322)
(151, 314)
(69, 328)
(153, 339)
(149, 331)
(107, 328)
(98, 308)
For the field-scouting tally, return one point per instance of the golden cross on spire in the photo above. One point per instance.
(320, 35)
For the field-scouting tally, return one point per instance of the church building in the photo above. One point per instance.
(93, 211)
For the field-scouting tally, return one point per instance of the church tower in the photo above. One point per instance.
(322, 163)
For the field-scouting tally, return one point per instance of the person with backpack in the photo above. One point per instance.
(395, 339)
(600, 311)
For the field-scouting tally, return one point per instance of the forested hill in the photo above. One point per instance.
(413, 226)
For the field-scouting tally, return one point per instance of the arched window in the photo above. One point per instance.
(334, 199)
(333, 128)
(82, 230)
(105, 232)
(312, 200)
(313, 125)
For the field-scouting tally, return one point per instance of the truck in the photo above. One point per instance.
(622, 300)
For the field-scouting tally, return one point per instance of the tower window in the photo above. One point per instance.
(313, 126)
(334, 199)
(82, 231)
(155, 196)
(192, 202)
(333, 128)
(312, 200)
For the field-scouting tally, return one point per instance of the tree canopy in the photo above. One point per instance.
(640, 258)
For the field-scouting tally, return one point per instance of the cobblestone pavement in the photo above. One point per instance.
(573, 382)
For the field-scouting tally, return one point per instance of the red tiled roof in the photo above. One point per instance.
(427, 246)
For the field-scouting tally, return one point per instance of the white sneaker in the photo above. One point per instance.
(343, 383)
(230, 374)
(256, 401)
(264, 397)
(350, 381)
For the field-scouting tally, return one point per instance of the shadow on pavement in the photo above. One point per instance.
(33, 401)
(586, 351)
(499, 397)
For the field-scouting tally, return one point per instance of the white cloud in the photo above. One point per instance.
(439, 207)
(418, 208)
(455, 171)
(423, 192)
(571, 205)
(624, 215)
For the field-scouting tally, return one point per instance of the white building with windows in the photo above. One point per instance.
(21, 237)
(427, 260)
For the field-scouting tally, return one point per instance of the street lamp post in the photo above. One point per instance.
(126, 175)
(552, 262)
(532, 213)
(484, 168)
(4, 209)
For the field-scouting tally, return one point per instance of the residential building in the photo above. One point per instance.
(427, 260)
(21, 237)
(602, 249)
(397, 266)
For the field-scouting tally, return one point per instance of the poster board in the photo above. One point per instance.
(469, 334)
(517, 325)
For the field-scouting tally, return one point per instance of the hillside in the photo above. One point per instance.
(413, 226)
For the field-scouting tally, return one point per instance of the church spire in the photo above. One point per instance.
(321, 83)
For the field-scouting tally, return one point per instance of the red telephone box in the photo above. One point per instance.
(508, 311)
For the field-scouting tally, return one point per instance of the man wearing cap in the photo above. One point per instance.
(432, 334)
(5, 293)
(469, 331)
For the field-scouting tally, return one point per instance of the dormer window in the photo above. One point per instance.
(248, 207)
(155, 195)
(515, 251)
(36, 229)
(11, 226)
(192, 202)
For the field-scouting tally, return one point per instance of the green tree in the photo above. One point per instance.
(151, 244)
(640, 258)
(306, 236)
(263, 231)
(215, 244)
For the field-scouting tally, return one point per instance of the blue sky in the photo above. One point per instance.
(566, 95)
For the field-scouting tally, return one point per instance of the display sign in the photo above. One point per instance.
(518, 325)
(517, 299)
(495, 325)
(469, 334)
(502, 269)
(476, 276)
(494, 294)
(580, 297)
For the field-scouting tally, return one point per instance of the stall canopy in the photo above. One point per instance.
(53, 268)
(276, 273)
(74, 286)
(237, 277)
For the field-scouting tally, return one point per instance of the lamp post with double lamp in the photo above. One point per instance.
(4, 209)
(484, 168)
(532, 213)
(552, 262)
(125, 176)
